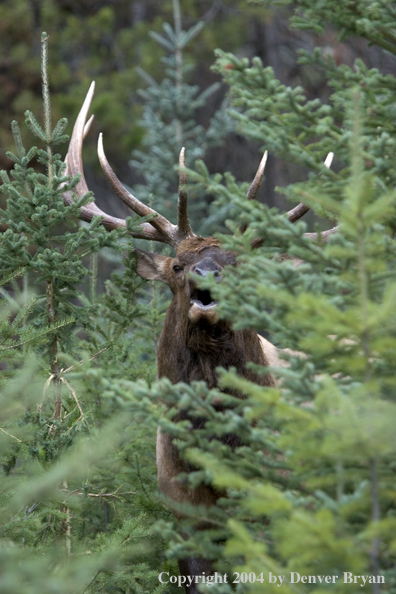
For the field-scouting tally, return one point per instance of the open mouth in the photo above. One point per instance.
(202, 298)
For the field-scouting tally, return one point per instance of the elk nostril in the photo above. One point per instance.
(200, 271)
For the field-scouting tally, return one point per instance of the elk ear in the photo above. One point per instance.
(152, 266)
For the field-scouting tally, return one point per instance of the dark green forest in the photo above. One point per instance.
(311, 488)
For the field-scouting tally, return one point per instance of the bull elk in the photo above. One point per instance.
(193, 341)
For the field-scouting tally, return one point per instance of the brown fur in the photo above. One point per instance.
(195, 245)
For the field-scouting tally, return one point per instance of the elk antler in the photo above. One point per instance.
(295, 213)
(159, 229)
(324, 235)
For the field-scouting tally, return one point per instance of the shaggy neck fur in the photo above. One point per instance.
(192, 352)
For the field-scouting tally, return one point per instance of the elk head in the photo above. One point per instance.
(196, 256)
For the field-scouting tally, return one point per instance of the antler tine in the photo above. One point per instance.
(324, 235)
(301, 209)
(258, 178)
(255, 185)
(74, 166)
(74, 155)
(329, 159)
(87, 126)
(166, 231)
(183, 224)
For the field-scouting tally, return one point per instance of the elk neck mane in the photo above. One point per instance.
(199, 349)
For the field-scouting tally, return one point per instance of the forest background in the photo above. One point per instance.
(312, 488)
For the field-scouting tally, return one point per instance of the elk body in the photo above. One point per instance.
(193, 342)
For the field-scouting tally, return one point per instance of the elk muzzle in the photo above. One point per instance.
(202, 305)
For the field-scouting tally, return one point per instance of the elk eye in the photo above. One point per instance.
(176, 268)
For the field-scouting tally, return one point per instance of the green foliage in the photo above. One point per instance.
(52, 514)
(304, 131)
(311, 487)
(373, 21)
